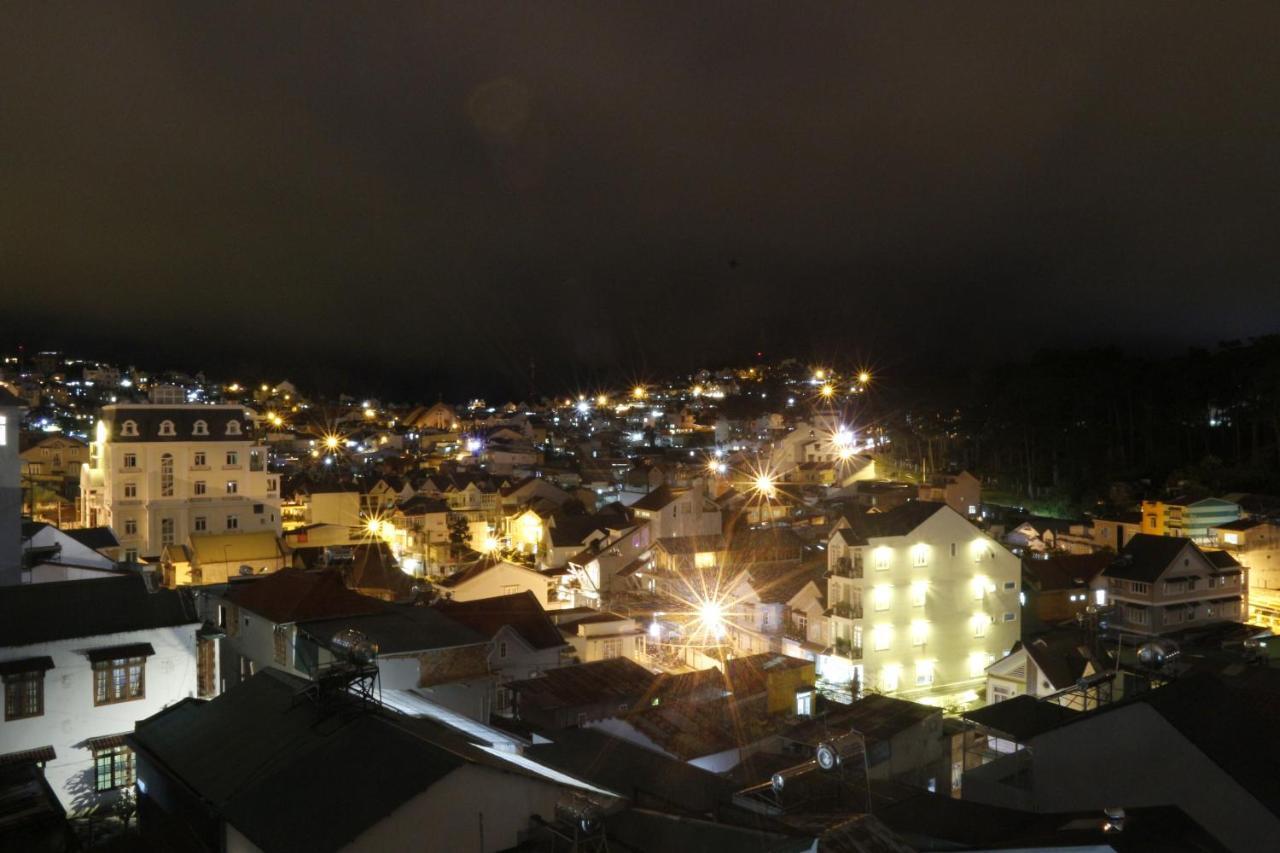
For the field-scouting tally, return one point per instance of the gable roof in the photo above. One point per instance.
(1021, 717)
(94, 537)
(1067, 571)
(520, 611)
(899, 521)
(236, 547)
(1145, 557)
(297, 595)
(774, 584)
(44, 612)
(478, 568)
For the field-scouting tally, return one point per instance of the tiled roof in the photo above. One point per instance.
(614, 680)
(295, 595)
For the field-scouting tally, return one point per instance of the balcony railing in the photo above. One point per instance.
(845, 649)
(844, 568)
(845, 610)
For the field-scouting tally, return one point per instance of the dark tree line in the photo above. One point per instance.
(1069, 425)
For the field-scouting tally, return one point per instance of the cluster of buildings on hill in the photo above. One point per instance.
(646, 622)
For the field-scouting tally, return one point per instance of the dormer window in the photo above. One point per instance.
(233, 427)
(129, 428)
(200, 428)
(166, 428)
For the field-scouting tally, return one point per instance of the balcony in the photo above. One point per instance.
(845, 649)
(845, 610)
(844, 568)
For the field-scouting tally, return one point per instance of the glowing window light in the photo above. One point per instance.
(882, 597)
(919, 632)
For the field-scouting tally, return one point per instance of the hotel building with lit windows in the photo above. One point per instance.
(920, 602)
(158, 474)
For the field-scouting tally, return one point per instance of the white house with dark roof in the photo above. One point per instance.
(81, 661)
(159, 473)
(11, 408)
(1161, 584)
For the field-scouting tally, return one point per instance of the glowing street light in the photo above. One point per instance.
(711, 615)
(764, 484)
(827, 391)
(331, 442)
(638, 392)
(864, 377)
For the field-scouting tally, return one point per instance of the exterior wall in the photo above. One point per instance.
(340, 508)
(502, 579)
(255, 503)
(70, 716)
(71, 552)
(1164, 608)
(1109, 533)
(496, 813)
(1128, 755)
(968, 580)
(10, 495)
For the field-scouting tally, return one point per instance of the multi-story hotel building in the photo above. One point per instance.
(921, 601)
(160, 473)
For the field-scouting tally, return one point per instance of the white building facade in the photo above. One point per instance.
(921, 602)
(81, 661)
(158, 473)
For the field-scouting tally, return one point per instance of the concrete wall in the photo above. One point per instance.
(10, 496)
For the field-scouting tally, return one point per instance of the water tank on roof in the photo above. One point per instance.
(832, 752)
(353, 646)
(1157, 653)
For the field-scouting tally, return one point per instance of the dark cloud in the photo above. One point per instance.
(431, 195)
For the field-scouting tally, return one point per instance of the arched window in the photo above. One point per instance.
(129, 428)
(200, 428)
(233, 427)
(166, 475)
(166, 428)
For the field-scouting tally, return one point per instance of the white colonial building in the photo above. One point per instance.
(82, 661)
(159, 473)
(921, 601)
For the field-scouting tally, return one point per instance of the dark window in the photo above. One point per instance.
(121, 680)
(23, 695)
(113, 768)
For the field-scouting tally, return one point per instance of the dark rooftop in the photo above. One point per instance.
(43, 612)
(1021, 717)
(295, 595)
(520, 611)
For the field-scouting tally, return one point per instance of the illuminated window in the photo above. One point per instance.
(131, 460)
(131, 527)
(199, 459)
(883, 637)
(889, 678)
(131, 490)
(232, 487)
(981, 622)
(166, 475)
(704, 560)
(924, 672)
(979, 587)
(920, 556)
(919, 632)
(857, 636)
(166, 531)
(200, 487)
(882, 597)
(166, 428)
(978, 663)
(1100, 597)
(113, 768)
(882, 557)
(1231, 538)
(919, 592)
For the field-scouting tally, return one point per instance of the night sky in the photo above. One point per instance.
(422, 196)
